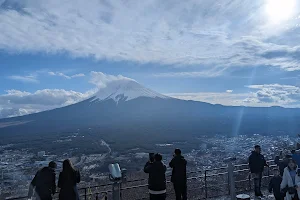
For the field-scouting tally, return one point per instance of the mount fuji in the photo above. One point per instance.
(125, 89)
(124, 106)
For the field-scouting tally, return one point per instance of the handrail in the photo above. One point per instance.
(204, 175)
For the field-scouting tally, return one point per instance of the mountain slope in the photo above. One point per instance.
(127, 106)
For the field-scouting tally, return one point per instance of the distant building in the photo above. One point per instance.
(41, 153)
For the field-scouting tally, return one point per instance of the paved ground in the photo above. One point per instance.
(268, 196)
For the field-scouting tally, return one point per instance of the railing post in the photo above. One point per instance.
(84, 193)
(205, 183)
(232, 181)
(116, 190)
(249, 177)
(228, 183)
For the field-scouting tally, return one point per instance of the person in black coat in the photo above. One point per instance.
(178, 164)
(282, 163)
(44, 183)
(257, 163)
(274, 185)
(157, 178)
(67, 181)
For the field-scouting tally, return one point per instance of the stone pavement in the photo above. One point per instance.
(268, 196)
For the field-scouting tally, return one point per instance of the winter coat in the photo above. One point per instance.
(178, 164)
(157, 175)
(44, 184)
(67, 184)
(288, 182)
(257, 162)
(274, 185)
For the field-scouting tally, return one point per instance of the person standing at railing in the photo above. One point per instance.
(67, 182)
(290, 184)
(282, 163)
(179, 180)
(274, 185)
(157, 178)
(257, 163)
(44, 183)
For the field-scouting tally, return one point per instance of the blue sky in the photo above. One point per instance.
(229, 52)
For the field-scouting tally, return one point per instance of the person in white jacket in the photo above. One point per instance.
(291, 181)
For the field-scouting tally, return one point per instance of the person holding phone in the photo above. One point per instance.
(157, 177)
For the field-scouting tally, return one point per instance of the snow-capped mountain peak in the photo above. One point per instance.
(125, 89)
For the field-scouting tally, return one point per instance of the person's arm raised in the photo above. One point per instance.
(148, 167)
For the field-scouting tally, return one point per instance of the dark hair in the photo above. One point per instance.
(52, 165)
(288, 156)
(177, 152)
(256, 146)
(68, 167)
(158, 157)
(293, 151)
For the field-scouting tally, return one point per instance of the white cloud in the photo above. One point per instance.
(52, 73)
(27, 79)
(65, 76)
(275, 93)
(16, 102)
(14, 112)
(263, 96)
(198, 32)
(77, 75)
(100, 79)
(205, 73)
(223, 98)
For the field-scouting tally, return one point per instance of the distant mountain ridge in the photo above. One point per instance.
(125, 106)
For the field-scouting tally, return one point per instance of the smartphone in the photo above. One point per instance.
(151, 157)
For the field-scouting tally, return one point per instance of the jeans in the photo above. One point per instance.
(180, 191)
(158, 196)
(257, 184)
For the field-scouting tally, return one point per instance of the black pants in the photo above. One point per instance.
(43, 197)
(278, 197)
(180, 191)
(257, 184)
(158, 196)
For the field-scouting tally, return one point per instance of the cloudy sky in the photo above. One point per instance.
(231, 52)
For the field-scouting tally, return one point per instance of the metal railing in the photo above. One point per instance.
(208, 183)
